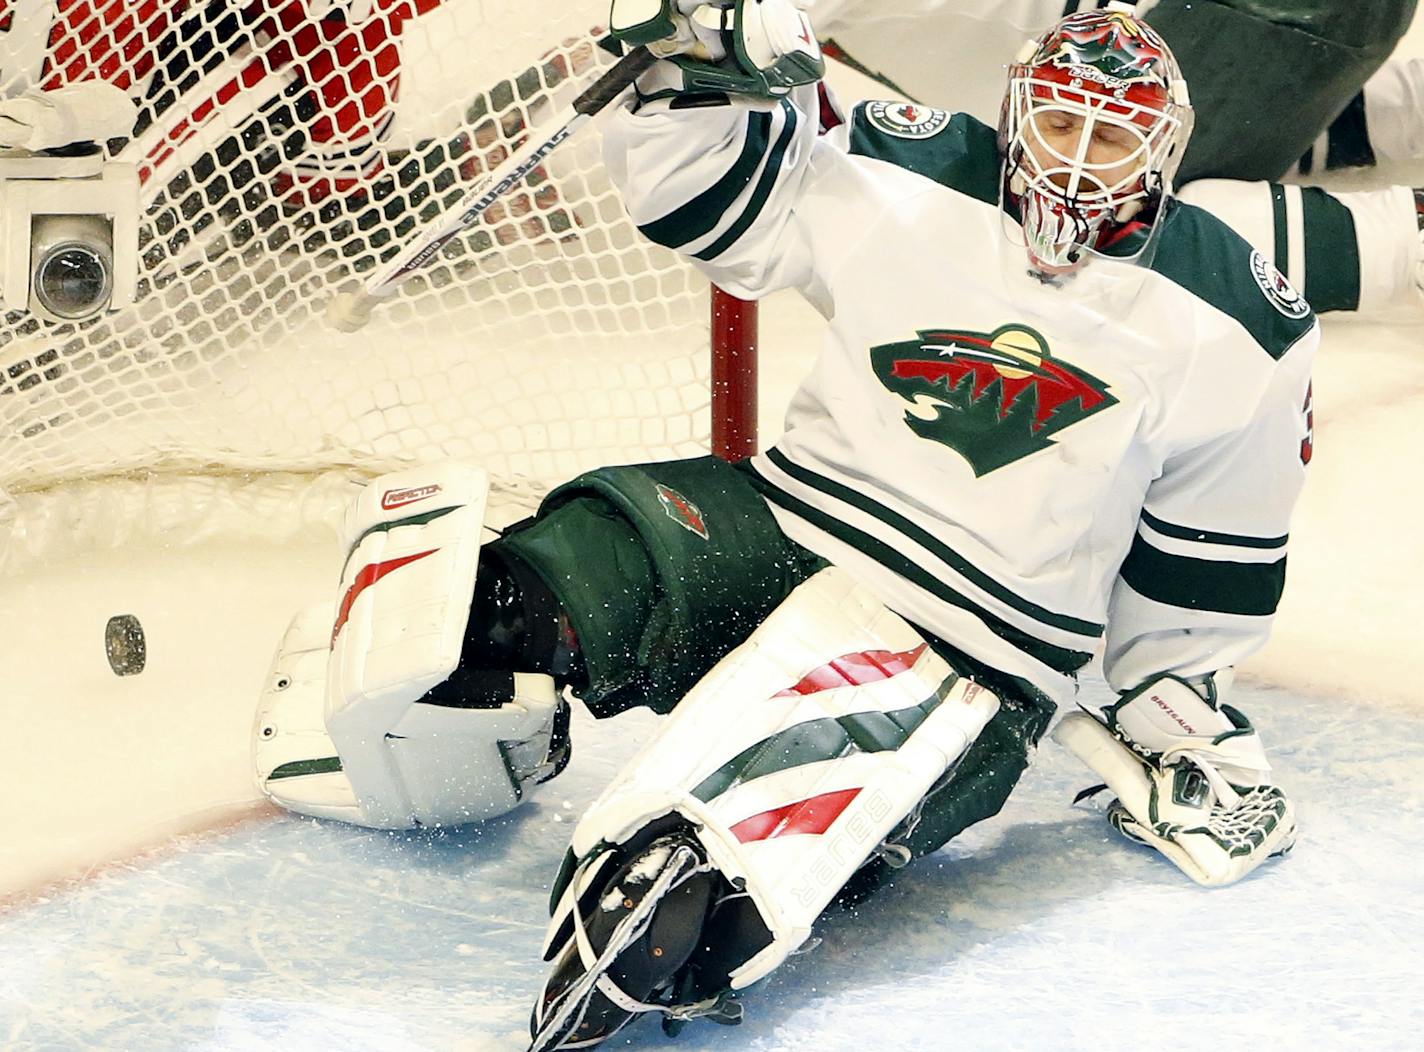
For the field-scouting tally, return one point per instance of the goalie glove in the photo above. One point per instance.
(759, 48)
(1191, 779)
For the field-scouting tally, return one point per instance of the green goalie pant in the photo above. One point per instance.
(665, 568)
(1268, 76)
(662, 569)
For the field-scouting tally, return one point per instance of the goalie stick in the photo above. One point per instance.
(350, 311)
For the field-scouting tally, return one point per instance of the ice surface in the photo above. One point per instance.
(1036, 930)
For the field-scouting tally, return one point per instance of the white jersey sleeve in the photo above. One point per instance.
(1200, 585)
(719, 184)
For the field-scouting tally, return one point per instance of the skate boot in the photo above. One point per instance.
(631, 935)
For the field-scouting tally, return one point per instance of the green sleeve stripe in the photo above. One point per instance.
(1279, 224)
(1186, 533)
(699, 216)
(1060, 659)
(1332, 252)
(1247, 589)
(1212, 262)
(769, 175)
(941, 551)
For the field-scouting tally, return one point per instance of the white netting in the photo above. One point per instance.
(549, 340)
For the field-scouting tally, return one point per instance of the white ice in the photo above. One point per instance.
(1037, 930)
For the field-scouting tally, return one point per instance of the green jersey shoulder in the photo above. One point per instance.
(1207, 258)
(953, 149)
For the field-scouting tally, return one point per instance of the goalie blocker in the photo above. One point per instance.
(369, 715)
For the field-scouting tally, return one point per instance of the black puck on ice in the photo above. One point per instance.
(125, 645)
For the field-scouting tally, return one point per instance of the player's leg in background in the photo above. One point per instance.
(1237, 56)
(1383, 124)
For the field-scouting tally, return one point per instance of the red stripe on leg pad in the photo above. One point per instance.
(368, 576)
(852, 670)
(805, 817)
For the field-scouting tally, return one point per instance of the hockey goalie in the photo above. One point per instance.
(1057, 411)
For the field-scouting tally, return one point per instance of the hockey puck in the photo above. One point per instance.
(125, 645)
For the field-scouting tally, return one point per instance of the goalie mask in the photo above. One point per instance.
(1093, 128)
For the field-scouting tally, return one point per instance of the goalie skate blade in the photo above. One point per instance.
(593, 1004)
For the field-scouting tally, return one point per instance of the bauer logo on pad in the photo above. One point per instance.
(399, 498)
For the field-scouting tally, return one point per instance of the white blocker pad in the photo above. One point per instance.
(298, 767)
(1192, 779)
(796, 756)
(349, 737)
(295, 760)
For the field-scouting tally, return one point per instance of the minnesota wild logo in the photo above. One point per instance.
(682, 511)
(991, 397)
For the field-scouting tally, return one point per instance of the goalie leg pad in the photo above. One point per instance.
(789, 763)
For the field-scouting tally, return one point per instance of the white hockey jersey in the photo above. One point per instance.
(1027, 470)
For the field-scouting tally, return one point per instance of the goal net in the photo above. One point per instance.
(283, 157)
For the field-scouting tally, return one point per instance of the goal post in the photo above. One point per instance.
(734, 375)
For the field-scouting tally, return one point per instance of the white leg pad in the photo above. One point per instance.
(798, 753)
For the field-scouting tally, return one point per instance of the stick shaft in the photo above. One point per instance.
(426, 244)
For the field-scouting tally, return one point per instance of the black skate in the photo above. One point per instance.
(631, 936)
